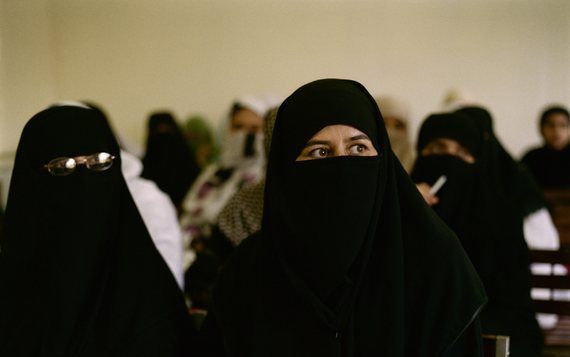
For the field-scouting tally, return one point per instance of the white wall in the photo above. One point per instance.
(27, 81)
(134, 56)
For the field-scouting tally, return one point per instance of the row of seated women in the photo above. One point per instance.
(343, 257)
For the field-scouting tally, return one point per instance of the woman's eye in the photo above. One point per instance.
(358, 149)
(319, 153)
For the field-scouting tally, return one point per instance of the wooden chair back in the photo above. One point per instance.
(495, 346)
(560, 334)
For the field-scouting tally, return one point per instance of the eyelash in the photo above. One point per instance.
(313, 153)
(359, 146)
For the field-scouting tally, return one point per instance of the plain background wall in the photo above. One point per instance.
(135, 56)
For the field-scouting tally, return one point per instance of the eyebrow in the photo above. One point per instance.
(325, 142)
(317, 142)
(359, 137)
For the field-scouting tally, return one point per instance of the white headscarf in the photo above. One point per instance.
(211, 192)
(399, 139)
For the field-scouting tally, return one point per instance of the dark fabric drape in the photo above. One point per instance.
(350, 260)
(79, 273)
(550, 168)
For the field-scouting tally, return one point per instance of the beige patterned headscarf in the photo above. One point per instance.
(241, 217)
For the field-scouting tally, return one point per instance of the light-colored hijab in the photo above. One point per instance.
(399, 139)
(242, 215)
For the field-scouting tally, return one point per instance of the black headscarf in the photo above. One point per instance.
(79, 273)
(488, 225)
(168, 160)
(550, 167)
(513, 180)
(350, 260)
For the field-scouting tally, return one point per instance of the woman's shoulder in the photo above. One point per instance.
(532, 154)
(242, 263)
(239, 281)
(247, 249)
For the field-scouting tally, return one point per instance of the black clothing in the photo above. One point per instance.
(168, 160)
(447, 128)
(79, 273)
(350, 261)
(512, 179)
(490, 230)
(550, 168)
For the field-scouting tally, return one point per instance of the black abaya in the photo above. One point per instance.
(350, 260)
(512, 179)
(79, 273)
(488, 224)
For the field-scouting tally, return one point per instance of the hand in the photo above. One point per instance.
(424, 190)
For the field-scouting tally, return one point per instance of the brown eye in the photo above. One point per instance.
(358, 149)
(319, 153)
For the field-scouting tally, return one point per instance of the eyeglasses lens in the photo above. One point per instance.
(99, 162)
(61, 166)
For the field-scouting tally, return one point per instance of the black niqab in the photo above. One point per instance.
(79, 273)
(168, 160)
(489, 227)
(350, 260)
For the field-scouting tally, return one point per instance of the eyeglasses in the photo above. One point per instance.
(63, 166)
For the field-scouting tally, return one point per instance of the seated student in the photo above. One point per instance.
(241, 217)
(168, 160)
(241, 165)
(201, 141)
(79, 273)
(487, 224)
(240, 171)
(350, 261)
(550, 164)
(518, 186)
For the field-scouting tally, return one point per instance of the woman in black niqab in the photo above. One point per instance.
(350, 260)
(168, 160)
(79, 273)
(488, 225)
(513, 180)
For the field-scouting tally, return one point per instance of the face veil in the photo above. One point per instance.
(79, 273)
(350, 261)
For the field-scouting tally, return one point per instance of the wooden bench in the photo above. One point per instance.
(560, 334)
